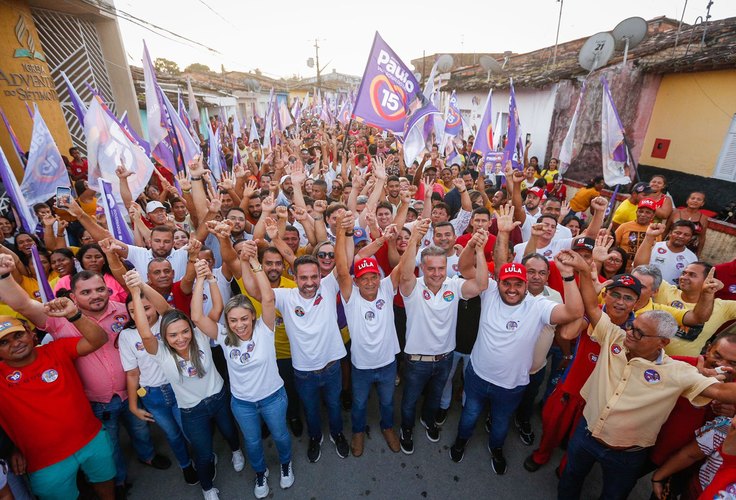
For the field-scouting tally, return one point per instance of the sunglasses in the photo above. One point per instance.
(325, 255)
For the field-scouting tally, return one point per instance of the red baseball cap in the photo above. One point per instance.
(537, 191)
(512, 270)
(367, 265)
(648, 203)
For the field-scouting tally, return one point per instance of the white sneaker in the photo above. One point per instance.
(211, 494)
(261, 489)
(238, 461)
(287, 475)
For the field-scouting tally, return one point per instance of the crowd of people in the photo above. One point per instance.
(322, 266)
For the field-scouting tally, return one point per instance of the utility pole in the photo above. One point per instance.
(557, 37)
(316, 54)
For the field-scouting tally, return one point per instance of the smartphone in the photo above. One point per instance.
(63, 196)
(528, 138)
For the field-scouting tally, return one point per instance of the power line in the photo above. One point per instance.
(218, 14)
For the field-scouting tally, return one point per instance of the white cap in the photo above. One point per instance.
(153, 205)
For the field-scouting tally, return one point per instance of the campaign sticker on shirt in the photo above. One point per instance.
(235, 354)
(370, 315)
(678, 304)
(49, 375)
(299, 311)
(318, 299)
(593, 357)
(732, 288)
(652, 376)
(454, 267)
(512, 325)
(680, 266)
(448, 296)
(426, 243)
(250, 346)
(662, 250)
(119, 324)
(139, 346)
(548, 253)
(245, 357)
(380, 303)
(615, 349)
(278, 321)
(14, 376)
(426, 294)
(659, 260)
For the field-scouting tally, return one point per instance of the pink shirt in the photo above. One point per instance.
(117, 292)
(101, 372)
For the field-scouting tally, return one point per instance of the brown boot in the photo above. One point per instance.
(357, 443)
(392, 439)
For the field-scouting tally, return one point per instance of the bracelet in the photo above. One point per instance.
(257, 269)
(76, 317)
(463, 191)
(2, 277)
(196, 178)
(186, 191)
(192, 261)
(349, 233)
(568, 278)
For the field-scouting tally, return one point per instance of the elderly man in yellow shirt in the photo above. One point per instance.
(629, 395)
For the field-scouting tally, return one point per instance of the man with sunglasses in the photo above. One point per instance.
(629, 395)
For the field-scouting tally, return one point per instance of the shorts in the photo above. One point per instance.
(59, 480)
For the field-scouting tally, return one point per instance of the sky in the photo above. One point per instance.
(278, 37)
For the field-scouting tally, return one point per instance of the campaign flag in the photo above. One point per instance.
(77, 103)
(343, 116)
(453, 121)
(613, 144)
(133, 135)
(429, 90)
(512, 150)
(389, 93)
(237, 129)
(268, 121)
(253, 135)
(158, 130)
(285, 120)
(214, 160)
(45, 170)
(186, 147)
(184, 117)
(114, 215)
(14, 139)
(193, 110)
(44, 288)
(325, 115)
(297, 113)
(236, 152)
(109, 146)
(484, 139)
(567, 149)
(27, 220)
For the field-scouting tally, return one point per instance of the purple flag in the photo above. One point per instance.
(215, 160)
(115, 221)
(193, 108)
(44, 288)
(134, 137)
(14, 139)
(613, 146)
(454, 122)
(184, 117)
(27, 220)
(511, 151)
(77, 103)
(484, 140)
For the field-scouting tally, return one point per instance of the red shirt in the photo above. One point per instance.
(180, 300)
(586, 356)
(78, 169)
(44, 409)
(487, 250)
(726, 272)
(724, 480)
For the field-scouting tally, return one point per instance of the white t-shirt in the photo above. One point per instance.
(431, 319)
(670, 263)
(188, 388)
(546, 336)
(311, 325)
(225, 291)
(252, 364)
(504, 350)
(374, 343)
(133, 355)
(548, 252)
(140, 257)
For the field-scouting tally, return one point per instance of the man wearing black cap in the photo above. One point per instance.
(626, 211)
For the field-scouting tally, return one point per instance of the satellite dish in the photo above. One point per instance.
(629, 33)
(444, 63)
(596, 51)
(489, 64)
(418, 75)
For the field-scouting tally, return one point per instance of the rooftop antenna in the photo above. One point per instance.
(506, 55)
(596, 51)
(489, 64)
(628, 34)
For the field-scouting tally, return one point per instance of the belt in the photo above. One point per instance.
(427, 357)
(615, 448)
(326, 367)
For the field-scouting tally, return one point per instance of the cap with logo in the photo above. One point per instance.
(154, 205)
(583, 243)
(641, 188)
(366, 265)
(359, 235)
(537, 191)
(9, 324)
(512, 270)
(626, 281)
(648, 203)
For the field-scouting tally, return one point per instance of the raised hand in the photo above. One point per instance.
(109, 245)
(537, 230)
(655, 229)
(459, 184)
(405, 196)
(268, 204)
(300, 214)
(711, 285)
(391, 232)
(214, 204)
(421, 227)
(184, 183)
(196, 166)
(238, 171)
(272, 228)
(379, 169)
(73, 208)
(599, 203)
(7, 264)
(348, 221)
(202, 269)
(320, 206)
(133, 280)
(122, 172)
(248, 251)
(60, 308)
(193, 248)
(282, 212)
(505, 218)
(603, 244)
(49, 220)
(564, 209)
(249, 189)
(227, 182)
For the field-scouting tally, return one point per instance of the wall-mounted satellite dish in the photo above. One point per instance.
(629, 33)
(596, 51)
(489, 64)
(444, 63)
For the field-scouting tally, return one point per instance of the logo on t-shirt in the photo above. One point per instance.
(190, 370)
(318, 299)
(732, 288)
(49, 375)
(680, 266)
(615, 349)
(380, 303)
(448, 296)
(119, 324)
(677, 304)
(245, 357)
(454, 267)
(250, 346)
(370, 315)
(593, 357)
(661, 250)
(139, 346)
(512, 325)
(235, 354)
(426, 294)
(14, 376)
(548, 253)
(652, 376)
(299, 311)
(278, 321)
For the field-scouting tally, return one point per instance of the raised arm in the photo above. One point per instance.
(267, 297)
(407, 280)
(598, 205)
(644, 252)
(587, 291)
(150, 343)
(249, 250)
(342, 264)
(93, 336)
(704, 306)
(95, 230)
(506, 224)
(203, 321)
(513, 189)
(474, 287)
(123, 174)
(572, 308)
(15, 297)
(133, 281)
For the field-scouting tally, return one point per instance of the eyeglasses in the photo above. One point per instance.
(616, 260)
(626, 298)
(638, 334)
(325, 255)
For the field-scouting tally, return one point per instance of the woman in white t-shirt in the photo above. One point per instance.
(248, 344)
(185, 357)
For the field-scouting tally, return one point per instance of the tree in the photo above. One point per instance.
(165, 66)
(197, 68)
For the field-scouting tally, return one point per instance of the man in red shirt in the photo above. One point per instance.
(77, 165)
(726, 272)
(45, 411)
(161, 278)
(481, 219)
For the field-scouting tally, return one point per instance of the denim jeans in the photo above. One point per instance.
(197, 424)
(309, 385)
(417, 376)
(384, 378)
(447, 391)
(161, 403)
(621, 469)
(111, 415)
(286, 371)
(503, 404)
(272, 409)
(526, 407)
(555, 374)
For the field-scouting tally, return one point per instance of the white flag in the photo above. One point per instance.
(567, 150)
(613, 147)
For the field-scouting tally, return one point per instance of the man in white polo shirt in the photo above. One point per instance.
(431, 309)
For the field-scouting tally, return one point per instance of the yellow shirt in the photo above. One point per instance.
(581, 201)
(689, 340)
(549, 175)
(678, 314)
(626, 212)
(627, 401)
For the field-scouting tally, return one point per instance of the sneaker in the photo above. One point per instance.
(346, 398)
(357, 443)
(297, 428)
(315, 449)
(525, 431)
(392, 440)
(406, 441)
(287, 476)
(487, 425)
(159, 462)
(457, 450)
(531, 465)
(441, 416)
(261, 489)
(341, 445)
(498, 461)
(211, 494)
(238, 460)
(432, 432)
(190, 475)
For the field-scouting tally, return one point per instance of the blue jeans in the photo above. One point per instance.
(555, 374)
(503, 404)
(417, 376)
(161, 403)
(272, 409)
(621, 469)
(384, 378)
(447, 391)
(111, 415)
(286, 372)
(197, 424)
(328, 381)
